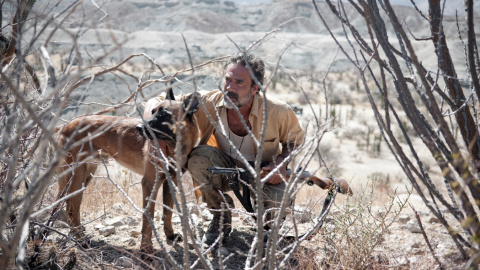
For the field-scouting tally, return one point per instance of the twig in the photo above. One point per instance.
(417, 216)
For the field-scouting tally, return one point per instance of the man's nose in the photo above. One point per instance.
(228, 85)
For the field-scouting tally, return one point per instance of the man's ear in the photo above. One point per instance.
(255, 89)
(190, 104)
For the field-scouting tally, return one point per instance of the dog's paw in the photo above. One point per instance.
(174, 238)
(146, 253)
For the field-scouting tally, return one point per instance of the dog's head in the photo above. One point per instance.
(167, 116)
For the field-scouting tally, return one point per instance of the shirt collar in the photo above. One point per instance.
(256, 105)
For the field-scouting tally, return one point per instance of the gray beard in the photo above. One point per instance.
(230, 103)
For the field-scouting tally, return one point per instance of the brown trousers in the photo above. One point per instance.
(214, 186)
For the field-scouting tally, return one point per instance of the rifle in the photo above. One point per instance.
(322, 182)
(234, 174)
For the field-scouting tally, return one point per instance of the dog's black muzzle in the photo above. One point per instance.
(152, 133)
(144, 132)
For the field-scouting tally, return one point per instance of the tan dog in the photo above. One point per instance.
(90, 138)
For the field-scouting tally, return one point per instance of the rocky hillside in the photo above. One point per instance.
(115, 29)
(213, 28)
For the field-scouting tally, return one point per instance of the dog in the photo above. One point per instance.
(89, 139)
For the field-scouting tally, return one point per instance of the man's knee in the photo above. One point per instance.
(204, 156)
(200, 159)
(274, 195)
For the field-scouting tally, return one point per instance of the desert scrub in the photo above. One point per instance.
(356, 228)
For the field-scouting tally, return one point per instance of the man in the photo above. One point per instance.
(282, 135)
(235, 134)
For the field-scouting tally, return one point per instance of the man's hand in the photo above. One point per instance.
(276, 178)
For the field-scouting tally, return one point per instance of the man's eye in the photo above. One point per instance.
(153, 111)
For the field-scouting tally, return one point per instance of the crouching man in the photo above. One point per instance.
(282, 135)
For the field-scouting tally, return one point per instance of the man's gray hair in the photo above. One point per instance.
(255, 63)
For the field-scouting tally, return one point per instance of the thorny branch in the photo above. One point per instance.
(459, 170)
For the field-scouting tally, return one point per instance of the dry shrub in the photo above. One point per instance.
(356, 229)
(305, 258)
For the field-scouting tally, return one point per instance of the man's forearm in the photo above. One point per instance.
(286, 150)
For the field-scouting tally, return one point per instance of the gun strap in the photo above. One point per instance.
(245, 198)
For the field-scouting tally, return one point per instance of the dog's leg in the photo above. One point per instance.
(149, 188)
(167, 213)
(70, 183)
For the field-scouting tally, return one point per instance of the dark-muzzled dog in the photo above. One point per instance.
(89, 139)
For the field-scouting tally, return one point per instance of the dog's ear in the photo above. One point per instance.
(170, 95)
(190, 104)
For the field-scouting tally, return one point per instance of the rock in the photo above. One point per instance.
(204, 212)
(206, 215)
(107, 231)
(118, 207)
(248, 221)
(413, 226)
(335, 212)
(329, 228)
(224, 251)
(130, 221)
(403, 219)
(423, 213)
(61, 218)
(413, 259)
(176, 220)
(124, 262)
(98, 227)
(444, 210)
(135, 233)
(244, 228)
(416, 245)
(196, 220)
(61, 224)
(433, 219)
(115, 222)
(193, 208)
(199, 230)
(123, 228)
(129, 241)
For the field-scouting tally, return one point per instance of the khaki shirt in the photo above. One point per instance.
(282, 127)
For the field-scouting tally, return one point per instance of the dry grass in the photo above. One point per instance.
(357, 228)
(101, 194)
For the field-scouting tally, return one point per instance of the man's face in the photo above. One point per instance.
(238, 86)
